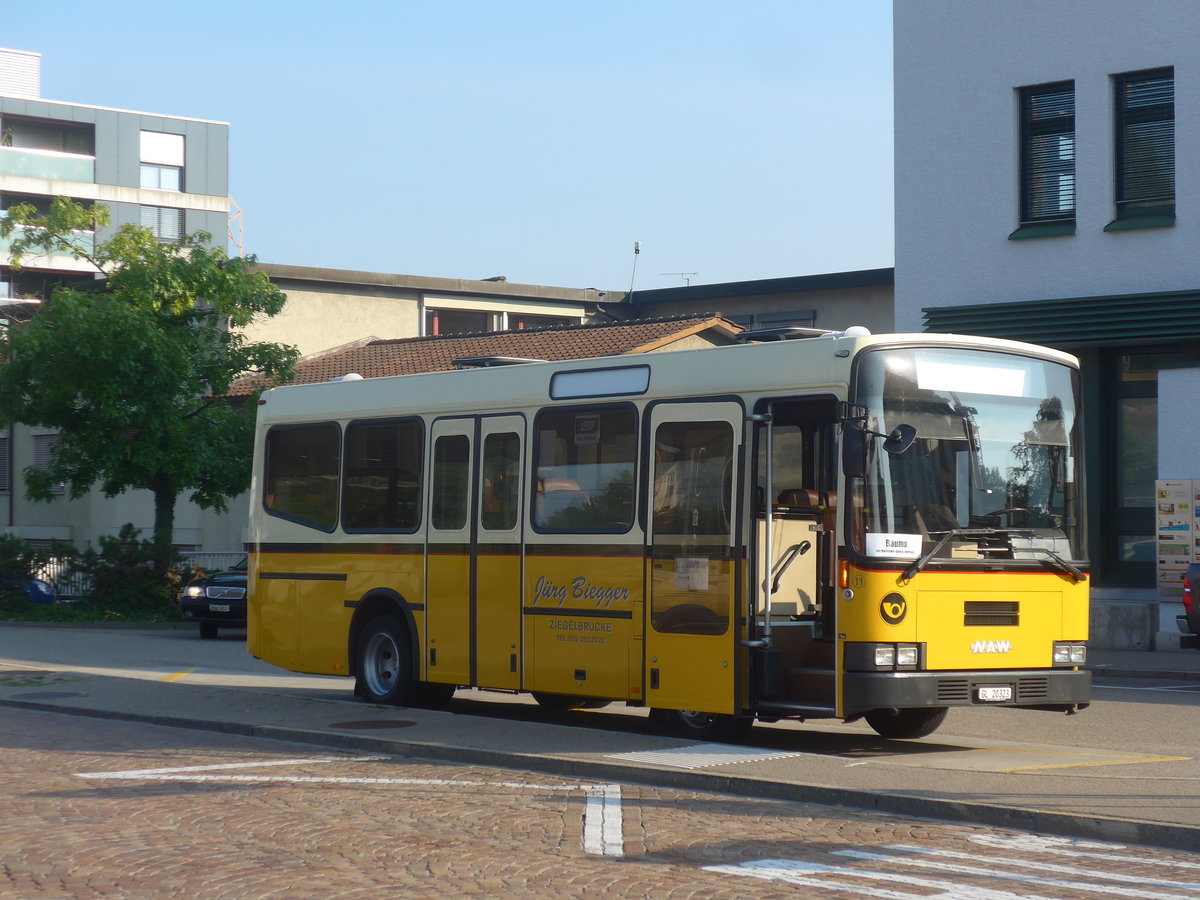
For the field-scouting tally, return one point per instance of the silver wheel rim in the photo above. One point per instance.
(381, 664)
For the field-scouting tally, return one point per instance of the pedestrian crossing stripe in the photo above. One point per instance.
(699, 756)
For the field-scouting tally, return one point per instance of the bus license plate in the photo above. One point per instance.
(993, 694)
(218, 607)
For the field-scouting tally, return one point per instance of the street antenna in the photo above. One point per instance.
(637, 248)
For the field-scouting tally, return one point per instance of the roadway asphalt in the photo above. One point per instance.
(1149, 800)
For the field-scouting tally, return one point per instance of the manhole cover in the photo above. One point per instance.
(47, 695)
(372, 724)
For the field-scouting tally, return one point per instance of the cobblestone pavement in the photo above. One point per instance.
(100, 808)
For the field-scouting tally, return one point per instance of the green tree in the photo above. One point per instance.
(133, 374)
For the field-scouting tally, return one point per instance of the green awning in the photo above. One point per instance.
(1169, 316)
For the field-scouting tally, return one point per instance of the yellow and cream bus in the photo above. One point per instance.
(838, 526)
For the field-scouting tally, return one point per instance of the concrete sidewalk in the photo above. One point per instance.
(1041, 787)
(1166, 665)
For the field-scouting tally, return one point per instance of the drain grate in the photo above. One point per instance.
(699, 756)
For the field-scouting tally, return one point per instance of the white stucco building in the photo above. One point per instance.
(1048, 189)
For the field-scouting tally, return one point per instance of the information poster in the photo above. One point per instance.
(1177, 535)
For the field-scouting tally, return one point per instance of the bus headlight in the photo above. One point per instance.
(883, 656)
(906, 656)
(1069, 654)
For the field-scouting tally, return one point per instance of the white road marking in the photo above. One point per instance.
(802, 873)
(1009, 875)
(603, 826)
(1072, 847)
(145, 773)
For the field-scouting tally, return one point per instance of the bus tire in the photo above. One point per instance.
(701, 726)
(906, 723)
(384, 665)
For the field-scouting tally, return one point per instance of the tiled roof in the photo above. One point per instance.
(374, 358)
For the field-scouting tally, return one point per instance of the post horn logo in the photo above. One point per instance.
(893, 608)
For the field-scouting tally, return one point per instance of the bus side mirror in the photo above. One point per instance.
(854, 450)
(900, 439)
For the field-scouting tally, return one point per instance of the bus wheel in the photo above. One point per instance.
(385, 663)
(700, 726)
(906, 723)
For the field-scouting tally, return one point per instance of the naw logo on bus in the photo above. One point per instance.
(991, 646)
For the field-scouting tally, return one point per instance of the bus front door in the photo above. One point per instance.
(691, 629)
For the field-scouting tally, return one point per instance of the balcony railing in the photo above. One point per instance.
(51, 164)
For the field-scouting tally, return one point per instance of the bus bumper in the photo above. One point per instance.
(1064, 690)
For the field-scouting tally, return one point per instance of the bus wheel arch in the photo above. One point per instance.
(904, 724)
(700, 725)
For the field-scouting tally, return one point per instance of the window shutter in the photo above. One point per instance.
(162, 149)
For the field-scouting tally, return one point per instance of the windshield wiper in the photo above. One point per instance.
(1070, 568)
(919, 564)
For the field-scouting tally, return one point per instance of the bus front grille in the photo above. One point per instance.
(991, 612)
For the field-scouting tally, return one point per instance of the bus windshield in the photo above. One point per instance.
(992, 473)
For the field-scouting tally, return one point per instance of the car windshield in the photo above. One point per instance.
(993, 471)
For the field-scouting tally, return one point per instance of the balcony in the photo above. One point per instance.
(83, 241)
(52, 165)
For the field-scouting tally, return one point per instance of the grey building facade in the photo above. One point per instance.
(168, 173)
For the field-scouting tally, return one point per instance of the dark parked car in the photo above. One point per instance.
(216, 601)
(1189, 622)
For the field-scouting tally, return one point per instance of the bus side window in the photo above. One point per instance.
(498, 504)
(302, 469)
(584, 462)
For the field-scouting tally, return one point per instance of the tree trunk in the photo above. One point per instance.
(164, 523)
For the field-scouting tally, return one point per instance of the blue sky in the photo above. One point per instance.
(535, 139)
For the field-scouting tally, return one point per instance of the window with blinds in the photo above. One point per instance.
(43, 453)
(1048, 154)
(166, 224)
(1144, 104)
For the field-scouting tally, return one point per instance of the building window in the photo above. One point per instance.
(458, 321)
(162, 178)
(165, 224)
(1144, 105)
(43, 453)
(1047, 185)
